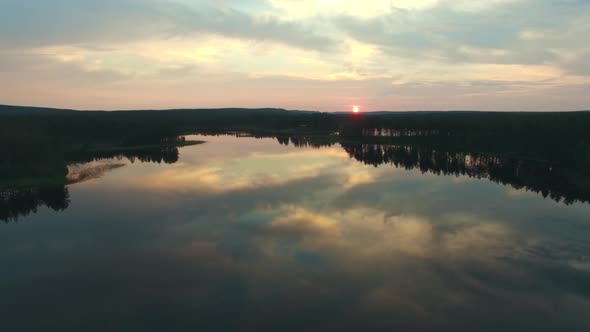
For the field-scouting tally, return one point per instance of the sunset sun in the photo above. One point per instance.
(355, 109)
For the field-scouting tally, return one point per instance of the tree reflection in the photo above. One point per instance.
(20, 202)
(306, 141)
(167, 154)
(551, 179)
(548, 167)
(35, 175)
(31, 178)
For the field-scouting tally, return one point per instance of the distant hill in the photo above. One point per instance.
(269, 110)
(32, 109)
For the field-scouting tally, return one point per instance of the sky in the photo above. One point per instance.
(326, 55)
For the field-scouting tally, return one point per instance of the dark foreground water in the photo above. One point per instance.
(249, 235)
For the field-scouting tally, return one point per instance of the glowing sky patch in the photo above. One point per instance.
(308, 54)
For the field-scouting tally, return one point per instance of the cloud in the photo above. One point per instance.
(500, 34)
(449, 245)
(319, 55)
(86, 22)
(299, 221)
(32, 68)
(579, 64)
(244, 173)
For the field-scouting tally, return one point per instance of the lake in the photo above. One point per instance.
(247, 234)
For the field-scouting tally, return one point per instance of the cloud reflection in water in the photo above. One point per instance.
(245, 234)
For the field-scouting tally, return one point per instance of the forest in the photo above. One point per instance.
(537, 135)
(547, 153)
(130, 126)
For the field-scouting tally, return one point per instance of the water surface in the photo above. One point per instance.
(247, 234)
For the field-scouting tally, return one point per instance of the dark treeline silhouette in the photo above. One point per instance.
(158, 154)
(122, 128)
(20, 202)
(555, 180)
(550, 171)
(548, 153)
(306, 141)
(300, 141)
(547, 136)
(520, 130)
(412, 124)
(32, 176)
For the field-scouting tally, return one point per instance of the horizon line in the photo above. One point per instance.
(283, 109)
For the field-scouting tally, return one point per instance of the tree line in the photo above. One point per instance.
(548, 153)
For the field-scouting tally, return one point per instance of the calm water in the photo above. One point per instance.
(245, 234)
